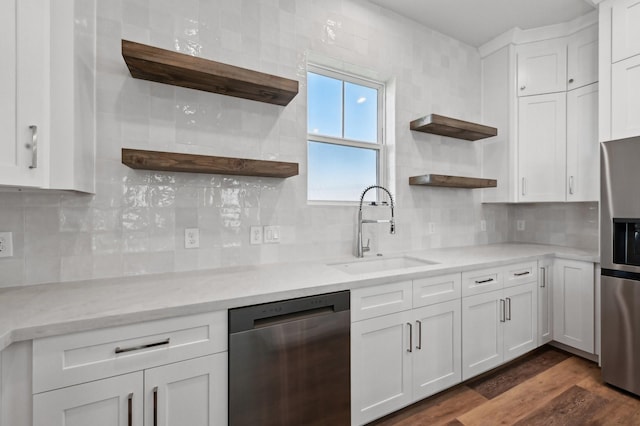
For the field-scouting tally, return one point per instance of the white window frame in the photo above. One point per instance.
(378, 146)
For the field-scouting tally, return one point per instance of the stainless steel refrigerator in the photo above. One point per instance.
(620, 261)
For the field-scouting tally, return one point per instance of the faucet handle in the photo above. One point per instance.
(366, 248)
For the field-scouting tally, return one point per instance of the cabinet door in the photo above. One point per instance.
(625, 29)
(482, 334)
(380, 366)
(542, 147)
(545, 302)
(190, 392)
(573, 304)
(583, 177)
(437, 348)
(625, 102)
(116, 401)
(23, 30)
(582, 58)
(542, 67)
(521, 315)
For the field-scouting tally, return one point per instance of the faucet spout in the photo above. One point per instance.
(361, 249)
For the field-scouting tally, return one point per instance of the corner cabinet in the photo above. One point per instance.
(573, 304)
(48, 100)
(544, 95)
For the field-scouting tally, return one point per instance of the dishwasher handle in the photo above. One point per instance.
(267, 314)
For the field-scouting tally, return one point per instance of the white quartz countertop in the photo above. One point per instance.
(52, 309)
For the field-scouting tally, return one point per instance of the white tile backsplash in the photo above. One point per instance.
(135, 222)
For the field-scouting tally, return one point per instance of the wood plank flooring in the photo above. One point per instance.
(547, 387)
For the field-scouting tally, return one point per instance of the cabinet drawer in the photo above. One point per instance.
(520, 273)
(427, 291)
(379, 300)
(70, 359)
(481, 281)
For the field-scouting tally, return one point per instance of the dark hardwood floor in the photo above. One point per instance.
(547, 387)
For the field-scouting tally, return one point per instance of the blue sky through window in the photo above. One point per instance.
(339, 110)
(340, 173)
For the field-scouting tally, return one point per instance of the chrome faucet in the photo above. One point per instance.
(361, 247)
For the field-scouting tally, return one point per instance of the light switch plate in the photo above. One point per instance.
(272, 234)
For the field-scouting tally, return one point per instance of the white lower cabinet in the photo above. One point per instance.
(190, 392)
(399, 358)
(158, 373)
(116, 401)
(498, 326)
(437, 353)
(573, 304)
(545, 301)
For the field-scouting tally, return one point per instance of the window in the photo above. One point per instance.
(344, 126)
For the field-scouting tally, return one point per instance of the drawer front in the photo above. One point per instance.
(70, 359)
(427, 291)
(380, 300)
(481, 281)
(520, 273)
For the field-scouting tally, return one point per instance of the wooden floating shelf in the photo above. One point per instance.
(452, 127)
(168, 67)
(191, 163)
(452, 181)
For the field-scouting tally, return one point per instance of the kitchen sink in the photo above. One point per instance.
(381, 264)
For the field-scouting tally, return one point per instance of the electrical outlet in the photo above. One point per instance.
(483, 225)
(431, 228)
(256, 235)
(271, 234)
(191, 238)
(6, 244)
(520, 225)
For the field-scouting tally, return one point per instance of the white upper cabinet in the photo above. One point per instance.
(625, 29)
(582, 58)
(47, 94)
(542, 67)
(23, 122)
(619, 57)
(583, 168)
(542, 147)
(625, 98)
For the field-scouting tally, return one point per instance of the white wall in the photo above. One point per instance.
(135, 222)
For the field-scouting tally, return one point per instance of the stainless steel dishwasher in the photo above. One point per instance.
(289, 362)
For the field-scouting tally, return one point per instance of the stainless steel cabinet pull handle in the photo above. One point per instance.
(410, 349)
(120, 350)
(33, 146)
(543, 283)
(570, 184)
(488, 280)
(130, 409)
(155, 406)
(502, 314)
(519, 274)
(524, 192)
(509, 308)
(419, 334)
